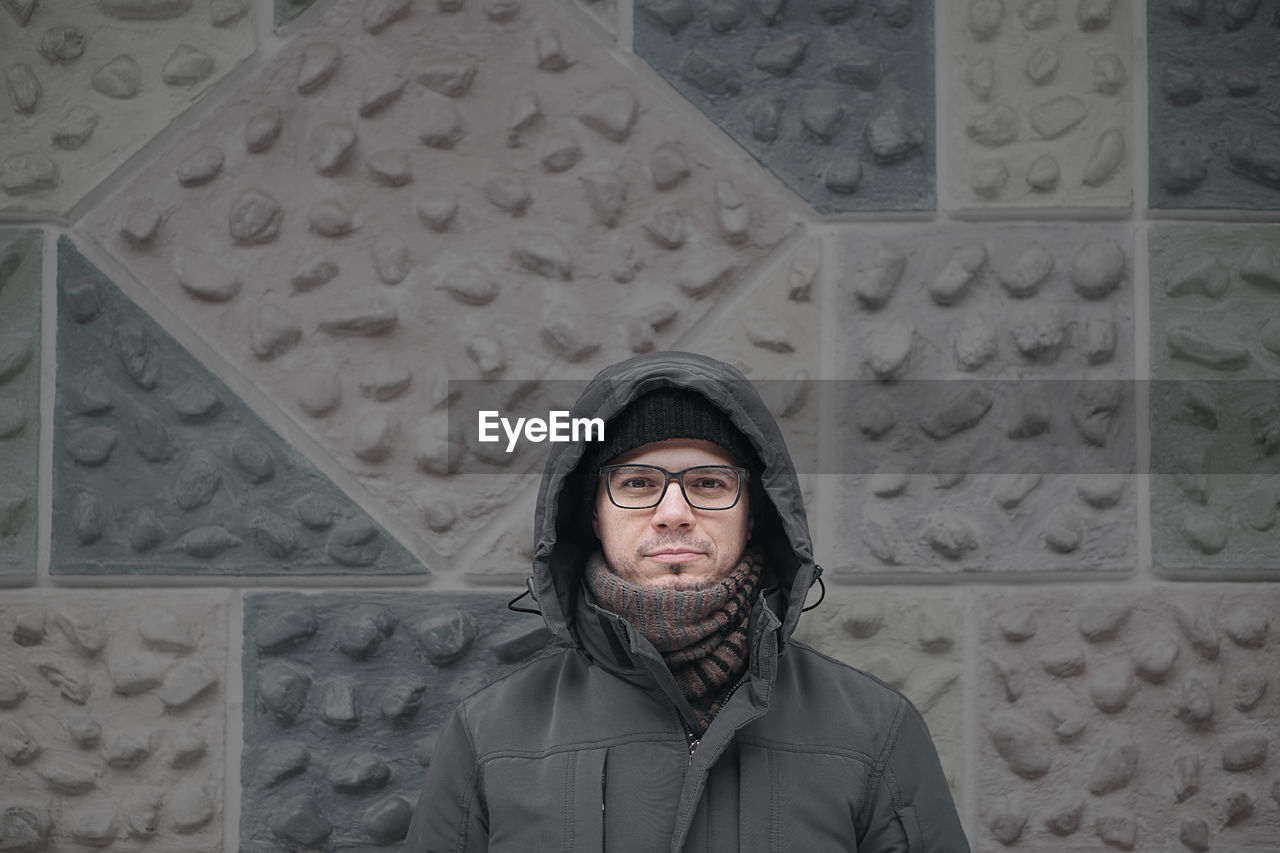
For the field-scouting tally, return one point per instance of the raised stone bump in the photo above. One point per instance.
(549, 52)
(379, 93)
(121, 78)
(1044, 173)
(1108, 154)
(1094, 15)
(1041, 68)
(874, 287)
(28, 173)
(1021, 744)
(611, 112)
(957, 276)
(509, 193)
(387, 820)
(186, 66)
(437, 213)
(894, 132)
(1244, 751)
(1112, 686)
(377, 15)
(1065, 815)
(75, 127)
(24, 87)
(1109, 74)
(984, 18)
(988, 177)
(320, 60)
(995, 127)
(283, 688)
(301, 822)
(451, 79)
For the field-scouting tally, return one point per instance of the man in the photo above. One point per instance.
(672, 564)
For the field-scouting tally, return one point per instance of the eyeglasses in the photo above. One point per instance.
(703, 486)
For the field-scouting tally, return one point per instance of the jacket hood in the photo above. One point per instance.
(562, 519)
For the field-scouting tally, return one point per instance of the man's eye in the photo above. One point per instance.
(638, 483)
(709, 484)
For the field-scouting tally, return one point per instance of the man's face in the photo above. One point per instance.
(672, 545)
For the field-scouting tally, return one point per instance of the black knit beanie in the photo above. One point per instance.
(671, 413)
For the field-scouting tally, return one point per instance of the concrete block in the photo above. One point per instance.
(1160, 739)
(912, 640)
(836, 99)
(160, 469)
(1212, 106)
(394, 212)
(89, 84)
(1215, 426)
(344, 695)
(987, 418)
(97, 751)
(20, 264)
(1041, 101)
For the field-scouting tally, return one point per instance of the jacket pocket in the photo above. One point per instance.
(911, 828)
(587, 794)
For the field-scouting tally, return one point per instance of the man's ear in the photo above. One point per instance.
(595, 518)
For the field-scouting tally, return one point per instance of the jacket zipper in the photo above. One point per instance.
(694, 739)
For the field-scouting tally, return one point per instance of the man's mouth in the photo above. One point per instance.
(674, 555)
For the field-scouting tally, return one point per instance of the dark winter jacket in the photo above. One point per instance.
(589, 749)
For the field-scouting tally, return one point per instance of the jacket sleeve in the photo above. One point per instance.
(451, 816)
(911, 807)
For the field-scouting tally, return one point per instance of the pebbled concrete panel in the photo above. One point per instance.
(89, 83)
(344, 695)
(20, 267)
(835, 98)
(912, 640)
(1041, 102)
(410, 195)
(160, 469)
(1215, 425)
(1214, 107)
(112, 721)
(987, 418)
(1143, 720)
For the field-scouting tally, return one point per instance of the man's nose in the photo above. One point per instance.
(673, 510)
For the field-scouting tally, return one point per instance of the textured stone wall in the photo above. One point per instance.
(250, 247)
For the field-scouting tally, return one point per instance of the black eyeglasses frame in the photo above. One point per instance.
(743, 476)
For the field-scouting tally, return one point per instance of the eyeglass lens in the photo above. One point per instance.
(705, 486)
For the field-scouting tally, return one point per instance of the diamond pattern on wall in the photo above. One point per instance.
(835, 97)
(412, 194)
(160, 469)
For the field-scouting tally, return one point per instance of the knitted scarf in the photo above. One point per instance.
(700, 633)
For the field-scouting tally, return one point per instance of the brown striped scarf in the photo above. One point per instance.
(700, 633)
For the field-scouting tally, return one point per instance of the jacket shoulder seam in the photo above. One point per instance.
(473, 785)
(882, 760)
